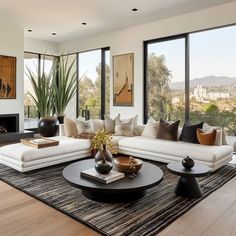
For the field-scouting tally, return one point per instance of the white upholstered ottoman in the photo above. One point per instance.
(24, 158)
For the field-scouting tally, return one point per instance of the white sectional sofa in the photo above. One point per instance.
(24, 158)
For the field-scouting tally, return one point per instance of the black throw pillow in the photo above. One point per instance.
(189, 132)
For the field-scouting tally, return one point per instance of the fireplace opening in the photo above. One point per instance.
(9, 123)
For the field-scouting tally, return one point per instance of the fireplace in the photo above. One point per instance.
(9, 123)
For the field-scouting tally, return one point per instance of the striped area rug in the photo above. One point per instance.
(146, 216)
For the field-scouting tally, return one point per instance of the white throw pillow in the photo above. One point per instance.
(151, 128)
(84, 126)
(219, 135)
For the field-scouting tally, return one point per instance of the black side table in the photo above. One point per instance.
(188, 185)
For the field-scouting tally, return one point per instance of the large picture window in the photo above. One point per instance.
(198, 68)
(165, 79)
(94, 83)
(35, 63)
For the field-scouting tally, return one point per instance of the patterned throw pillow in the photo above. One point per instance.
(124, 127)
(84, 126)
(109, 123)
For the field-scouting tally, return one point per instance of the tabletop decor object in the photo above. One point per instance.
(187, 163)
(127, 165)
(101, 142)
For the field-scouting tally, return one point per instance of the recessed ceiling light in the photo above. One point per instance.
(135, 9)
(54, 34)
(84, 23)
(29, 30)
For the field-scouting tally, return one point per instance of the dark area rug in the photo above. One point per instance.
(146, 216)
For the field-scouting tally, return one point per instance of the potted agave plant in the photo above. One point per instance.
(65, 85)
(43, 98)
(102, 143)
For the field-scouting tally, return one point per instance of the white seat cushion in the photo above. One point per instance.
(178, 149)
(25, 153)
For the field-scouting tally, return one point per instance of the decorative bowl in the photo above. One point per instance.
(127, 165)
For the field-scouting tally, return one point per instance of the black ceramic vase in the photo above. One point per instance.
(103, 161)
(48, 126)
(187, 163)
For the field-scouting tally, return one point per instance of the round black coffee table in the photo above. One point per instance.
(123, 190)
(188, 185)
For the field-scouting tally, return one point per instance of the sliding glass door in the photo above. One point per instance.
(94, 83)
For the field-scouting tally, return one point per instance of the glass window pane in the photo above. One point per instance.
(71, 107)
(46, 63)
(30, 62)
(166, 76)
(90, 83)
(213, 77)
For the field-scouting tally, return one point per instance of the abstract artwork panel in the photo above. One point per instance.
(7, 77)
(123, 77)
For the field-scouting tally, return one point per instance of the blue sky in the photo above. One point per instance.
(212, 52)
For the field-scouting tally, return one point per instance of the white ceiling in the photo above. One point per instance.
(65, 16)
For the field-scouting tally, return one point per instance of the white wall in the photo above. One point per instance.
(12, 44)
(131, 40)
(41, 47)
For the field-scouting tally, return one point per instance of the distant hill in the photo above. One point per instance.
(207, 82)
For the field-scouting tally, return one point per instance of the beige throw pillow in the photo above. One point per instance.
(109, 123)
(151, 128)
(124, 127)
(84, 126)
(97, 125)
(70, 127)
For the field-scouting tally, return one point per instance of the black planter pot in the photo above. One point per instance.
(48, 126)
(60, 119)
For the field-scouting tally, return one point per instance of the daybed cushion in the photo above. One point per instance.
(176, 149)
(25, 153)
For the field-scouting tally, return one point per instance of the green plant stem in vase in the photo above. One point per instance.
(65, 85)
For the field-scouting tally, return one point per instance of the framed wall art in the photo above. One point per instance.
(7, 77)
(123, 79)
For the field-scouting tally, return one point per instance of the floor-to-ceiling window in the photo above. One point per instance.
(31, 62)
(213, 77)
(94, 83)
(35, 63)
(165, 79)
(71, 110)
(202, 61)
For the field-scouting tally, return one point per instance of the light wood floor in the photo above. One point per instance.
(22, 215)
